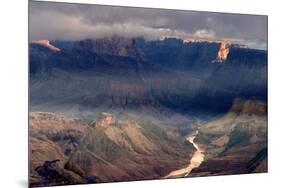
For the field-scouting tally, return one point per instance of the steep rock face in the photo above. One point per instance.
(115, 52)
(223, 52)
(104, 75)
(39, 55)
(119, 72)
(249, 107)
(243, 74)
(118, 46)
(175, 53)
(249, 57)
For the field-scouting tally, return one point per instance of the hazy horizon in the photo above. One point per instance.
(66, 21)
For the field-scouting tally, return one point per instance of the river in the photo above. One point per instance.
(195, 161)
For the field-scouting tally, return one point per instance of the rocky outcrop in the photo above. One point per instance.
(46, 43)
(105, 120)
(249, 107)
(51, 174)
(223, 52)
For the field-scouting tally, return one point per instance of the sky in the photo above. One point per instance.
(64, 21)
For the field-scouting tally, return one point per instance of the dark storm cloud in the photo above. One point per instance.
(78, 21)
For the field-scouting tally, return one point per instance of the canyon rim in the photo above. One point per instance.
(125, 94)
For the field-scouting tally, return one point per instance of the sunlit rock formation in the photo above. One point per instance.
(46, 42)
(105, 120)
(223, 52)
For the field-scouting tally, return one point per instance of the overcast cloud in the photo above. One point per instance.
(61, 21)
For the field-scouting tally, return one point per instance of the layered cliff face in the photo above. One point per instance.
(243, 74)
(250, 107)
(119, 46)
(68, 151)
(120, 72)
(177, 54)
(40, 52)
(102, 72)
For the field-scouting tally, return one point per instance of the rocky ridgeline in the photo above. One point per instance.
(46, 43)
(117, 46)
(133, 73)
